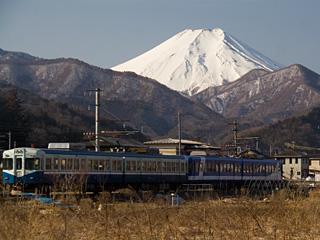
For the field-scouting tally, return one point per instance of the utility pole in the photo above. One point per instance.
(179, 132)
(9, 139)
(235, 135)
(97, 118)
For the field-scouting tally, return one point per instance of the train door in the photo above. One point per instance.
(201, 167)
(191, 168)
(18, 169)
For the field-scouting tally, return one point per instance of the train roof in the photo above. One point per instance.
(88, 153)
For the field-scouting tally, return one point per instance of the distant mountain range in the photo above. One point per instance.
(259, 96)
(194, 60)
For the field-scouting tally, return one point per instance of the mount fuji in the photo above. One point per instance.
(194, 60)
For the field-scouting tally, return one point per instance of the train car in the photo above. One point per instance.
(211, 169)
(31, 167)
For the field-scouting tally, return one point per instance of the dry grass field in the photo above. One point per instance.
(284, 216)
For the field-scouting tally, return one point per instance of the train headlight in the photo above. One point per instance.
(31, 178)
(6, 178)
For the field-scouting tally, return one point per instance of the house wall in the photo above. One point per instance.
(168, 151)
(315, 164)
(295, 168)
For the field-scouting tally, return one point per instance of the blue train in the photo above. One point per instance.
(32, 168)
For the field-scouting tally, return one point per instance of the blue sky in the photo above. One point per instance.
(109, 32)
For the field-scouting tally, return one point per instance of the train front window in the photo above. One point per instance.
(18, 163)
(7, 164)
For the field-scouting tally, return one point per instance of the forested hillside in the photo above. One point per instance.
(33, 120)
(302, 130)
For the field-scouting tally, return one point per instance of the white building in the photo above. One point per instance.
(295, 165)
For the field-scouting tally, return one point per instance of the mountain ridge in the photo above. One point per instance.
(265, 95)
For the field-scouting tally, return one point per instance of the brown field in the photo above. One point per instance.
(284, 216)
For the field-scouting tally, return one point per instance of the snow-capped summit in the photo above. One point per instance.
(194, 60)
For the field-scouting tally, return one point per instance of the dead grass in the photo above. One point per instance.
(284, 217)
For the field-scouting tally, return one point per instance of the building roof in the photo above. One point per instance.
(187, 144)
(172, 141)
(314, 156)
(290, 153)
(121, 142)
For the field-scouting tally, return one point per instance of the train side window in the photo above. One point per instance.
(95, 165)
(225, 166)
(127, 165)
(169, 166)
(231, 167)
(182, 166)
(222, 167)
(69, 163)
(119, 165)
(197, 167)
(173, 166)
(268, 169)
(238, 168)
(153, 166)
(89, 164)
(144, 166)
(258, 168)
(19, 163)
(101, 165)
(63, 164)
(133, 166)
(245, 168)
(158, 166)
(138, 165)
(48, 163)
(149, 166)
(214, 167)
(177, 167)
(164, 166)
(255, 168)
(107, 165)
(76, 164)
(56, 163)
(83, 164)
(210, 165)
(114, 165)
